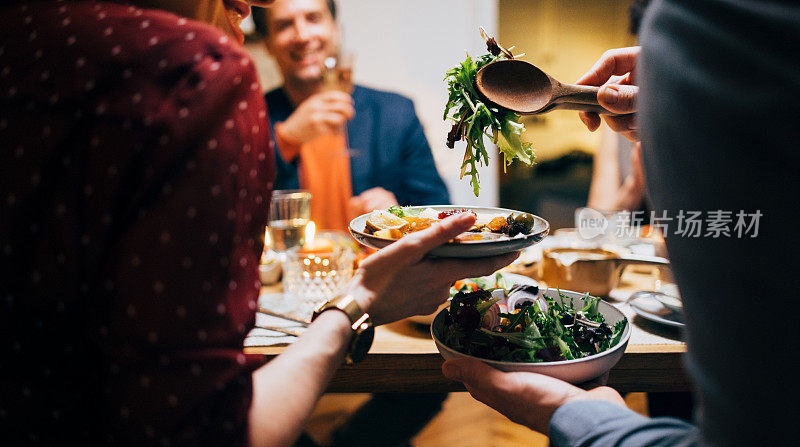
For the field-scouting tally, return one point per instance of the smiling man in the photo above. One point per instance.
(382, 159)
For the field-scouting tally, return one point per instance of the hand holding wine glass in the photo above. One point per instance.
(321, 114)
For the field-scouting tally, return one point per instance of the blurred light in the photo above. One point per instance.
(311, 230)
(247, 25)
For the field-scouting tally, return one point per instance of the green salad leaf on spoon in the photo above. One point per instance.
(473, 118)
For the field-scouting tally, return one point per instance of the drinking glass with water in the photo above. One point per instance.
(289, 213)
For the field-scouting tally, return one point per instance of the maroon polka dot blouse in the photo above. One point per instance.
(136, 175)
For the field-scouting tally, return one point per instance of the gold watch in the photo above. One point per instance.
(363, 331)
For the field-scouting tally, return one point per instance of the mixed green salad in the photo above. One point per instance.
(536, 328)
(473, 118)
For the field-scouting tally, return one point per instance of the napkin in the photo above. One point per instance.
(278, 303)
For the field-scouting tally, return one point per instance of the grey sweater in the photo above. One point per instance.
(718, 110)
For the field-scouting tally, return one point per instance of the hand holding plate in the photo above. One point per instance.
(400, 281)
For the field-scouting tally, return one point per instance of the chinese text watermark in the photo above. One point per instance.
(693, 224)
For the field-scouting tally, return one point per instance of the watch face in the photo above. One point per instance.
(362, 344)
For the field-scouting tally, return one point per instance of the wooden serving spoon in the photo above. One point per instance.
(523, 88)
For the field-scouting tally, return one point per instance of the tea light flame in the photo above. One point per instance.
(311, 230)
(313, 246)
(267, 247)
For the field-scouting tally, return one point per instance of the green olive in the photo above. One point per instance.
(525, 219)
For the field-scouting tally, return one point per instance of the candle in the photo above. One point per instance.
(315, 245)
(319, 245)
(267, 255)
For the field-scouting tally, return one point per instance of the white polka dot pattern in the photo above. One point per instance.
(157, 128)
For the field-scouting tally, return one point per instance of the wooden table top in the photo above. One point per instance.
(404, 358)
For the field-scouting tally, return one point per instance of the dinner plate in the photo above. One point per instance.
(510, 280)
(470, 249)
(648, 307)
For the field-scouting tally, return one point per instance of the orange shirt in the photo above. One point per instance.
(324, 171)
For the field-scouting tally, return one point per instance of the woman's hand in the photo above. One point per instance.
(614, 73)
(398, 281)
(528, 399)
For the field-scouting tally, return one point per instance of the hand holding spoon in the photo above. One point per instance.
(523, 88)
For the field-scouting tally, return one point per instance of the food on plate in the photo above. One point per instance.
(473, 118)
(389, 233)
(384, 220)
(398, 221)
(521, 324)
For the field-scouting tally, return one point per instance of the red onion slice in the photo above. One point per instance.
(492, 317)
(524, 294)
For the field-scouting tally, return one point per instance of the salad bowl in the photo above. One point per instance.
(573, 371)
(463, 249)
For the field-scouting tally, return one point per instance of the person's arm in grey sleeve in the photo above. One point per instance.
(596, 422)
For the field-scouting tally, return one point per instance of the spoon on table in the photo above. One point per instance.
(523, 88)
(670, 302)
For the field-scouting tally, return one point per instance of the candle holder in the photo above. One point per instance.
(311, 278)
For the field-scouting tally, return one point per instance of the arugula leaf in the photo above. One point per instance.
(396, 210)
(510, 143)
(521, 355)
(619, 328)
(525, 339)
(473, 119)
(591, 309)
(402, 211)
(483, 306)
(516, 318)
(565, 351)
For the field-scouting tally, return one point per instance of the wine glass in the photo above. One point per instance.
(337, 75)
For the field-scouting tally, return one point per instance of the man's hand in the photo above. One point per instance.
(372, 199)
(614, 73)
(320, 114)
(528, 399)
(399, 281)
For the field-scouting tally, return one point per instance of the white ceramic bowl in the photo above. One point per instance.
(572, 371)
(472, 249)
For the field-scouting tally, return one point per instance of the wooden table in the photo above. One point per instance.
(403, 357)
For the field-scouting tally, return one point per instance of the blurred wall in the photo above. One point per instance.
(563, 38)
(406, 47)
